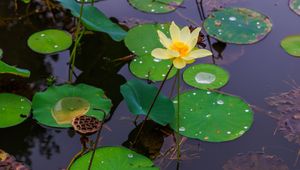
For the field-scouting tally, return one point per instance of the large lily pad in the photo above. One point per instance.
(139, 96)
(7, 69)
(295, 6)
(114, 158)
(14, 109)
(237, 25)
(255, 161)
(50, 41)
(95, 20)
(291, 44)
(212, 116)
(206, 76)
(148, 67)
(58, 105)
(144, 46)
(156, 6)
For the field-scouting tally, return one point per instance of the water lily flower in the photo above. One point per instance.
(181, 47)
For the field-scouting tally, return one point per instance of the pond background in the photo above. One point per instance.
(257, 71)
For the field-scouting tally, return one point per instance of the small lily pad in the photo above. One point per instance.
(148, 67)
(114, 158)
(291, 44)
(95, 20)
(59, 105)
(237, 25)
(50, 41)
(14, 109)
(155, 6)
(139, 97)
(206, 76)
(144, 46)
(211, 116)
(7, 69)
(295, 6)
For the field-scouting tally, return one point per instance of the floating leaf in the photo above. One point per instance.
(212, 116)
(148, 67)
(206, 76)
(139, 97)
(255, 161)
(156, 6)
(291, 44)
(7, 69)
(14, 109)
(50, 41)
(95, 20)
(295, 6)
(237, 25)
(58, 105)
(114, 158)
(148, 42)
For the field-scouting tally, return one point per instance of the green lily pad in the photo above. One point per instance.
(206, 76)
(93, 19)
(7, 69)
(58, 105)
(155, 6)
(291, 44)
(212, 116)
(87, 1)
(14, 109)
(237, 25)
(150, 41)
(139, 97)
(295, 6)
(50, 41)
(114, 158)
(148, 67)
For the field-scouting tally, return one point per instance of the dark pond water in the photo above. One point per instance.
(257, 71)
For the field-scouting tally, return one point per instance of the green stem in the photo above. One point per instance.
(79, 154)
(178, 121)
(151, 106)
(78, 36)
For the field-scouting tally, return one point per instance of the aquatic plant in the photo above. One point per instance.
(156, 6)
(291, 44)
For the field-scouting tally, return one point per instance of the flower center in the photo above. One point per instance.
(180, 47)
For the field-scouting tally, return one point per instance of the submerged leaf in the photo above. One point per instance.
(206, 76)
(49, 41)
(212, 116)
(59, 105)
(139, 97)
(114, 158)
(237, 25)
(156, 6)
(291, 44)
(14, 109)
(95, 20)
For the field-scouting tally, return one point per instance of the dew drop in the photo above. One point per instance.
(194, 94)
(130, 155)
(156, 59)
(247, 110)
(208, 92)
(232, 18)
(228, 132)
(208, 115)
(43, 35)
(55, 46)
(182, 129)
(205, 78)
(220, 102)
(22, 100)
(175, 101)
(163, 75)
(141, 62)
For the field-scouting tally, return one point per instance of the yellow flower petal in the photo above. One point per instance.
(190, 61)
(200, 53)
(161, 53)
(179, 63)
(173, 53)
(194, 38)
(174, 32)
(185, 35)
(164, 40)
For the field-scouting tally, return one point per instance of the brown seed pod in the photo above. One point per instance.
(86, 125)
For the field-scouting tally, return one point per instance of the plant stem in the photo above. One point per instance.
(96, 143)
(77, 40)
(83, 149)
(151, 106)
(178, 111)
